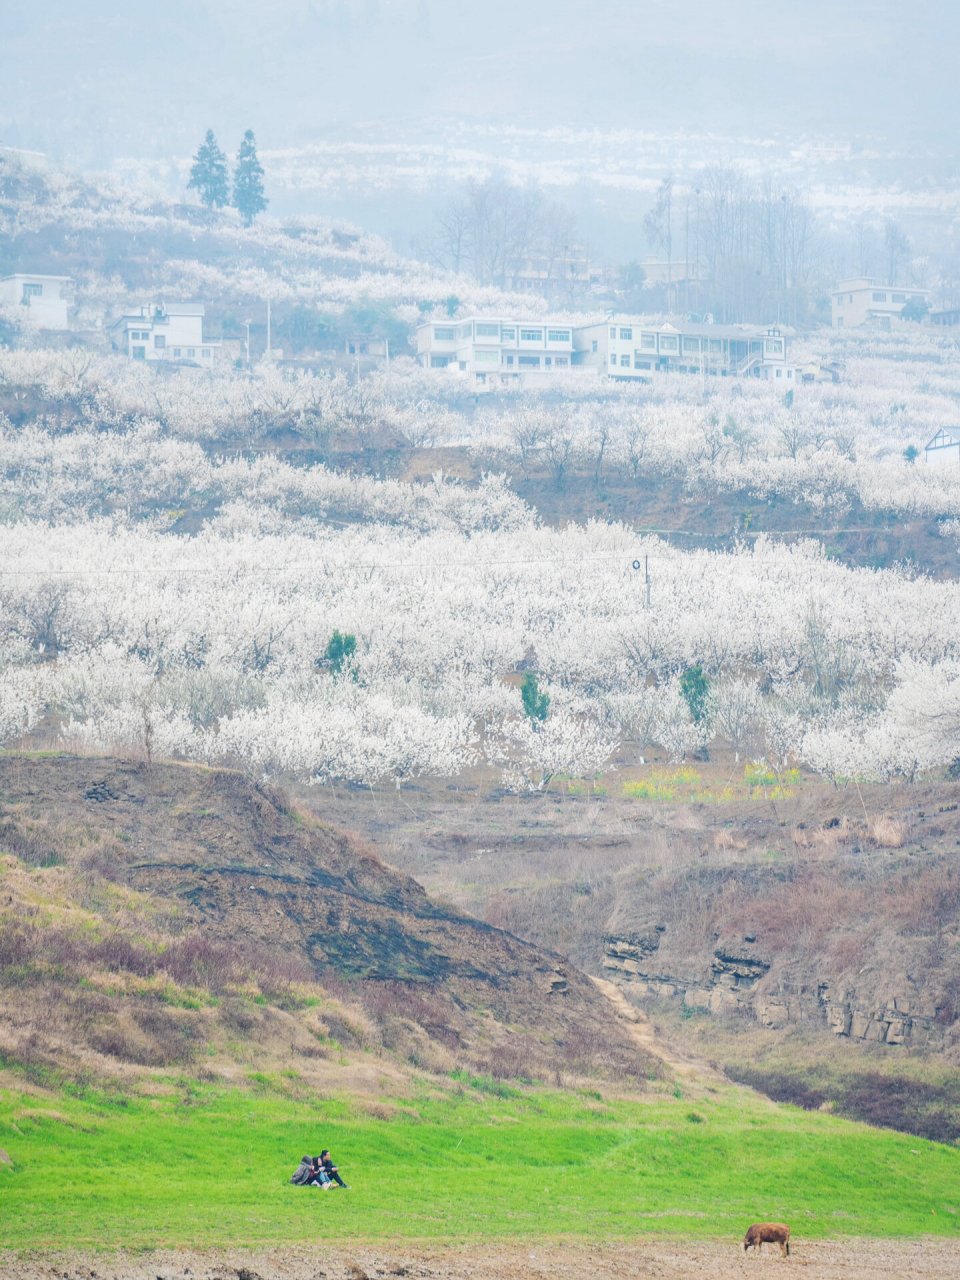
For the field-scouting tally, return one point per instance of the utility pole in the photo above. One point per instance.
(247, 327)
(269, 345)
(647, 602)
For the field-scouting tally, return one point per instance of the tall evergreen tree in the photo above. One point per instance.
(209, 176)
(248, 197)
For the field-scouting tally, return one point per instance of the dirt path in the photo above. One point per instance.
(638, 1027)
(933, 1259)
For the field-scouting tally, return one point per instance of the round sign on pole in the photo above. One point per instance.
(636, 564)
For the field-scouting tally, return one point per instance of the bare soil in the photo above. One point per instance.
(847, 1259)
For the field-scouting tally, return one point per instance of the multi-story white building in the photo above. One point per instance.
(862, 301)
(47, 298)
(164, 331)
(944, 449)
(499, 351)
(627, 348)
(494, 349)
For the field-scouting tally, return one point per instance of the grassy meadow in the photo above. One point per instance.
(204, 1165)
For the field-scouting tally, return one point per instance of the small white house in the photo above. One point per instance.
(47, 298)
(171, 331)
(865, 302)
(944, 449)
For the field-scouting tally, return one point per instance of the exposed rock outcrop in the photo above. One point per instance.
(739, 978)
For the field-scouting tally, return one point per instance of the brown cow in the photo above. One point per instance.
(768, 1233)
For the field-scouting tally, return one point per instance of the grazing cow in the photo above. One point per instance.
(768, 1233)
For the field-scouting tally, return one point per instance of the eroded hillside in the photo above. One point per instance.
(807, 940)
(149, 914)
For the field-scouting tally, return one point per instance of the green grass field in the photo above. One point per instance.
(203, 1165)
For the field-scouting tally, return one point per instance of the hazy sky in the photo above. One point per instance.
(91, 80)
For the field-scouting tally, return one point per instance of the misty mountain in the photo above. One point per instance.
(91, 81)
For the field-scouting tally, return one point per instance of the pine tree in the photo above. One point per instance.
(209, 175)
(248, 197)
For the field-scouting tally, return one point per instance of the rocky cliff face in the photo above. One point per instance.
(741, 976)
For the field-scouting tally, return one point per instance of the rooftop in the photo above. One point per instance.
(33, 275)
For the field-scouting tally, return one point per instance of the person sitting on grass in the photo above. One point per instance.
(329, 1170)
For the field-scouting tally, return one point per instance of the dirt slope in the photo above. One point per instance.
(234, 861)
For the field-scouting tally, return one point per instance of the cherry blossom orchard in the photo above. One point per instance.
(126, 637)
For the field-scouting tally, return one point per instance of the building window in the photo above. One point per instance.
(547, 361)
(625, 362)
(159, 341)
(139, 353)
(531, 335)
(532, 362)
(898, 297)
(839, 299)
(206, 353)
(31, 291)
(508, 335)
(558, 335)
(508, 359)
(626, 335)
(648, 341)
(691, 346)
(483, 356)
(668, 343)
(488, 330)
(439, 362)
(465, 330)
(613, 358)
(176, 353)
(593, 345)
(191, 352)
(879, 297)
(789, 373)
(444, 333)
(779, 373)
(613, 332)
(561, 362)
(638, 363)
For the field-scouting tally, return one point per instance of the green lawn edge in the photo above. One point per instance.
(205, 1166)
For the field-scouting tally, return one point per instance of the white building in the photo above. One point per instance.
(627, 348)
(47, 298)
(944, 449)
(164, 331)
(863, 301)
(495, 350)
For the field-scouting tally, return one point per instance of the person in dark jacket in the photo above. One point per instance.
(327, 1167)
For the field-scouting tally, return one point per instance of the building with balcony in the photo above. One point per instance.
(631, 350)
(496, 350)
(943, 450)
(864, 302)
(47, 298)
(164, 331)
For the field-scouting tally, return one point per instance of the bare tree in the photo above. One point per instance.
(897, 248)
(658, 223)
